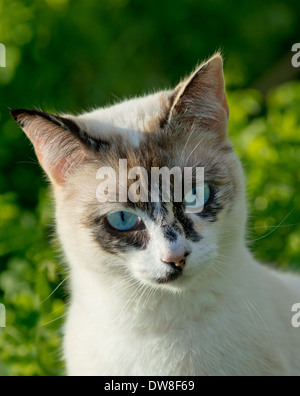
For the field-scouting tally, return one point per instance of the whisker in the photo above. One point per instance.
(54, 320)
(54, 291)
(276, 227)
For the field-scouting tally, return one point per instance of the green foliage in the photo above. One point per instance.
(267, 138)
(69, 56)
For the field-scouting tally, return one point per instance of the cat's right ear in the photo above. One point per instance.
(201, 100)
(60, 145)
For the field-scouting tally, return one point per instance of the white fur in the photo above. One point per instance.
(127, 119)
(209, 331)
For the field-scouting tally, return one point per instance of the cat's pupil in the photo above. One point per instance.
(123, 216)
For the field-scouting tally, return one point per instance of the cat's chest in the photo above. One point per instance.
(146, 349)
(98, 344)
(139, 352)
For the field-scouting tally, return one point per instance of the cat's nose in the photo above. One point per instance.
(175, 260)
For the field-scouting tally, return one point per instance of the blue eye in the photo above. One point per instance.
(123, 221)
(197, 197)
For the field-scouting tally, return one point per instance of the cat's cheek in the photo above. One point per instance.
(202, 259)
(142, 267)
(145, 267)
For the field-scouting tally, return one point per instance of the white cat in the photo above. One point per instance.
(156, 290)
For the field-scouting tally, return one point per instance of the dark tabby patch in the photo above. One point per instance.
(187, 224)
(169, 233)
(114, 241)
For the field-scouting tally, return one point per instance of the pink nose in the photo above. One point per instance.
(175, 259)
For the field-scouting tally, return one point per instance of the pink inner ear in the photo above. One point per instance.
(65, 167)
(59, 171)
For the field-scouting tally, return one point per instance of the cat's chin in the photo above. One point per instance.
(172, 282)
(169, 277)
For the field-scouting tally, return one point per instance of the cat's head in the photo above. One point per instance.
(158, 243)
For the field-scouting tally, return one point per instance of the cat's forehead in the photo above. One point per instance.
(129, 119)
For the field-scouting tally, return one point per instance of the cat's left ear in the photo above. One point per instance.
(201, 99)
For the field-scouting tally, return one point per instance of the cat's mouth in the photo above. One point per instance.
(169, 277)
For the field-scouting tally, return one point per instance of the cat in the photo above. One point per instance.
(156, 290)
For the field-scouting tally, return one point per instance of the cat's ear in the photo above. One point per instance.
(59, 143)
(201, 99)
